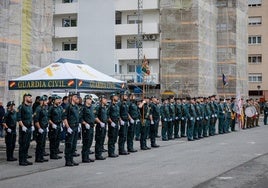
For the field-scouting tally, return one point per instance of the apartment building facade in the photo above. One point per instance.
(257, 49)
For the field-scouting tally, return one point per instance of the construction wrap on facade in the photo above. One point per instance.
(200, 43)
(25, 39)
(232, 47)
(188, 55)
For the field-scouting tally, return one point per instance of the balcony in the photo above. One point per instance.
(65, 54)
(153, 78)
(66, 8)
(132, 29)
(65, 32)
(122, 5)
(132, 54)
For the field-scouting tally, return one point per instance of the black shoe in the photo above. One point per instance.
(143, 148)
(85, 161)
(148, 148)
(12, 159)
(69, 164)
(164, 139)
(132, 150)
(75, 164)
(23, 164)
(113, 155)
(155, 146)
(76, 155)
(29, 163)
(123, 153)
(59, 152)
(157, 136)
(91, 152)
(29, 156)
(104, 150)
(56, 157)
(39, 160)
(189, 139)
(45, 160)
(100, 158)
(46, 154)
(137, 139)
(91, 160)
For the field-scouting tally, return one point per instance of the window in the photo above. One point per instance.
(133, 19)
(69, 46)
(118, 43)
(115, 68)
(255, 77)
(254, 3)
(69, 1)
(221, 3)
(69, 22)
(255, 20)
(118, 17)
(255, 58)
(132, 43)
(131, 68)
(120, 69)
(254, 39)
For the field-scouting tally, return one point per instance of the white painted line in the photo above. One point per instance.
(225, 178)
(252, 142)
(99, 173)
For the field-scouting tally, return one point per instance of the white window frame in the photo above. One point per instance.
(131, 68)
(254, 39)
(133, 19)
(254, 3)
(70, 45)
(255, 77)
(69, 21)
(255, 20)
(255, 58)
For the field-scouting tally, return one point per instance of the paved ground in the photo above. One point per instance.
(237, 159)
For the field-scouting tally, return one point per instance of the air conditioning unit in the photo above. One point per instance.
(145, 37)
(152, 37)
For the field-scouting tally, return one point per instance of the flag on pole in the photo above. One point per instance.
(224, 80)
(145, 67)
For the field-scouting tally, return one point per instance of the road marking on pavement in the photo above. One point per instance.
(99, 173)
(223, 143)
(225, 178)
(258, 154)
(252, 142)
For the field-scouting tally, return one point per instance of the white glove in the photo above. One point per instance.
(61, 129)
(152, 122)
(215, 115)
(128, 124)
(24, 129)
(165, 119)
(69, 130)
(122, 122)
(87, 126)
(212, 115)
(201, 118)
(137, 120)
(206, 117)
(47, 129)
(132, 121)
(182, 118)
(33, 128)
(54, 126)
(170, 119)
(40, 131)
(191, 118)
(176, 118)
(9, 130)
(102, 124)
(113, 124)
(197, 118)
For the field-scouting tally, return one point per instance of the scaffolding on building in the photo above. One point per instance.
(25, 40)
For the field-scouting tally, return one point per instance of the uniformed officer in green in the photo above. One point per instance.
(202, 117)
(165, 116)
(113, 125)
(9, 124)
(191, 116)
(55, 123)
(25, 119)
(228, 116)
(41, 123)
(178, 114)
(184, 112)
(71, 122)
(172, 117)
(87, 122)
(154, 121)
(213, 118)
(221, 116)
(101, 118)
(145, 122)
(207, 115)
(124, 118)
(134, 121)
(198, 119)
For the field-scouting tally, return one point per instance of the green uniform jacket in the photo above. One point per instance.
(25, 114)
